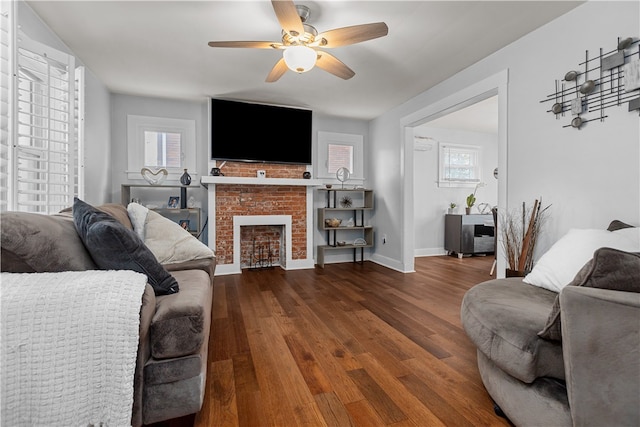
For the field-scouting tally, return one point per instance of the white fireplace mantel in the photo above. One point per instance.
(243, 180)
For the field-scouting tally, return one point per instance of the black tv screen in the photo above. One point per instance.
(247, 132)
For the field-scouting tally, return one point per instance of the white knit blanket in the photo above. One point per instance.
(68, 347)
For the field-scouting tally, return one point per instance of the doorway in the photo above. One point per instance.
(468, 139)
(494, 86)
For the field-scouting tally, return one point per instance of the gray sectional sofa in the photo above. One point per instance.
(577, 366)
(171, 365)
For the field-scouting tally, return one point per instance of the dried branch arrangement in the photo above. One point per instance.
(520, 231)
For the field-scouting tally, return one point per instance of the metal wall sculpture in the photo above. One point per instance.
(610, 79)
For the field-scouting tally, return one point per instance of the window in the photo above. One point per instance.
(41, 140)
(337, 150)
(459, 165)
(157, 142)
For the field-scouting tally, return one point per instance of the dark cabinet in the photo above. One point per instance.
(469, 234)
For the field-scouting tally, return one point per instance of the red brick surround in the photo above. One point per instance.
(239, 200)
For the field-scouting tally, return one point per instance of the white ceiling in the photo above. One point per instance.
(479, 117)
(159, 48)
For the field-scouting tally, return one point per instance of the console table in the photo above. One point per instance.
(469, 234)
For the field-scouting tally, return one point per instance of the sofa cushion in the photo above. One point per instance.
(113, 246)
(156, 230)
(178, 326)
(116, 210)
(557, 267)
(502, 317)
(608, 269)
(37, 243)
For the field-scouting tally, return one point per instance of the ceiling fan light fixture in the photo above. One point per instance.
(300, 58)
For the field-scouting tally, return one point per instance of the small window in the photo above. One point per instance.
(338, 150)
(339, 156)
(459, 165)
(162, 149)
(157, 142)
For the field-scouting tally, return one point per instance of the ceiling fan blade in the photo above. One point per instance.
(351, 35)
(277, 71)
(249, 44)
(288, 17)
(333, 65)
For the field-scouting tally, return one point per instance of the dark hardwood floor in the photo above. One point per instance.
(347, 345)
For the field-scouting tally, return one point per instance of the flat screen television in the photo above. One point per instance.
(248, 132)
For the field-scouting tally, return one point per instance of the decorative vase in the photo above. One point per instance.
(515, 273)
(185, 179)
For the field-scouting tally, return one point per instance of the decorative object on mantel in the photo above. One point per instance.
(154, 177)
(346, 202)
(216, 171)
(617, 82)
(520, 231)
(306, 175)
(185, 179)
(343, 175)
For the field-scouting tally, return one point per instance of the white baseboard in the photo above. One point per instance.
(429, 252)
(390, 263)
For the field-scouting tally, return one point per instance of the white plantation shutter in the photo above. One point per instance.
(46, 155)
(79, 128)
(6, 96)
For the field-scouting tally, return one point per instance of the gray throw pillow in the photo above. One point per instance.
(608, 269)
(618, 225)
(114, 247)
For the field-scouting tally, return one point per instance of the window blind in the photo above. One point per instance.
(6, 65)
(46, 152)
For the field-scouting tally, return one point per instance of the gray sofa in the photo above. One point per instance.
(171, 365)
(586, 375)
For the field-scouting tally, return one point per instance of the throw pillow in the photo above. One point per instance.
(608, 269)
(618, 225)
(138, 215)
(114, 247)
(170, 243)
(559, 265)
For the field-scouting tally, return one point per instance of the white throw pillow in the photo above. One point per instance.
(559, 265)
(138, 216)
(171, 243)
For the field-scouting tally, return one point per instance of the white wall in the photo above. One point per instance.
(430, 201)
(124, 105)
(323, 123)
(97, 123)
(590, 176)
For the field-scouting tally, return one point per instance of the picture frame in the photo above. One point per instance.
(174, 202)
(184, 223)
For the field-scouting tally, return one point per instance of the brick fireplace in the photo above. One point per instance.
(239, 194)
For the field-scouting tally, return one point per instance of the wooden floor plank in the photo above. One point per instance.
(353, 344)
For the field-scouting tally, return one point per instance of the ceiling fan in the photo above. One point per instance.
(301, 42)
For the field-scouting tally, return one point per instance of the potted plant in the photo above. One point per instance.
(471, 198)
(520, 231)
(452, 207)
